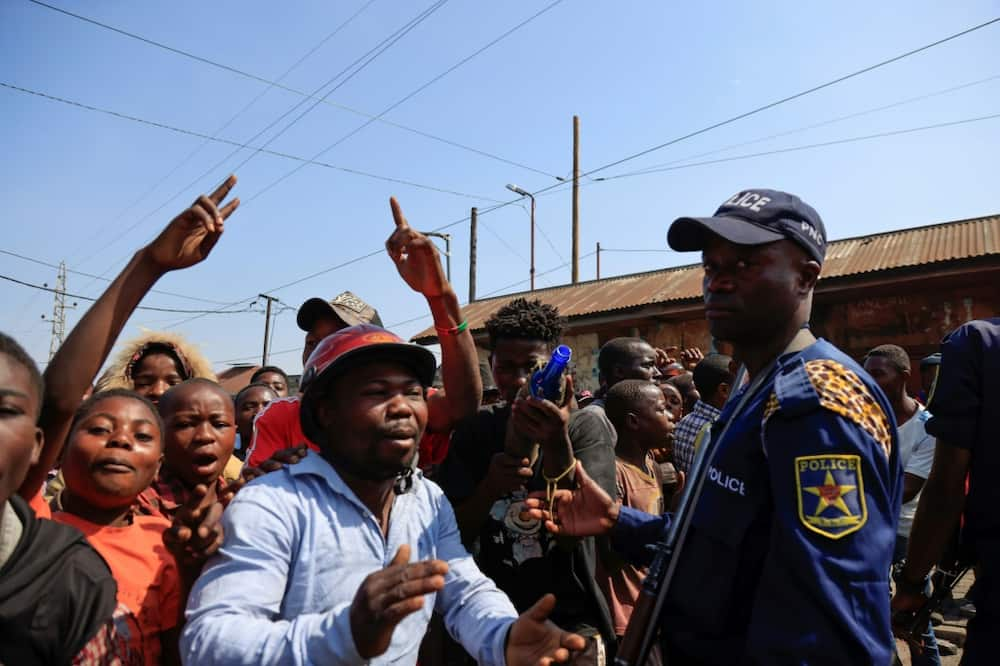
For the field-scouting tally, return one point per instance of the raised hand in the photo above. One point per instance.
(190, 236)
(415, 257)
(534, 641)
(543, 421)
(196, 531)
(585, 511)
(387, 596)
(691, 357)
(233, 487)
(665, 357)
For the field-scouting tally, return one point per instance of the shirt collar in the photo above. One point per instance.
(316, 465)
(707, 409)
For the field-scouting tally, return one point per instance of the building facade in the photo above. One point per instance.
(908, 287)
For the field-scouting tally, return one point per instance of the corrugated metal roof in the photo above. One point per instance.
(963, 239)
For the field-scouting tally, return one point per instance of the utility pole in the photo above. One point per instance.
(267, 327)
(598, 261)
(472, 255)
(59, 311)
(576, 199)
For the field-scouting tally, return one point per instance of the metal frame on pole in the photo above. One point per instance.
(524, 193)
(447, 248)
(267, 328)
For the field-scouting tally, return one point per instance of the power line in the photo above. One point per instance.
(824, 123)
(679, 139)
(299, 349)
(221, 310)
(380, 250)
(683, 166)
(295, 91)
(821, 144)
(233, 118)
(798, 95)
(392, 106)
(98, 277)
(551, 270)
(776, 103)
(608, 249)
(411, 94)
(256, 356)
(141, 307)
(374, 52)
(240, 146)
(372, 55)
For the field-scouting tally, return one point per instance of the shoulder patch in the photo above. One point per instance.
(831, 494)
(841, 391)
(837, 388)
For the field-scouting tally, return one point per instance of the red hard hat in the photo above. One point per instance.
(349, 347)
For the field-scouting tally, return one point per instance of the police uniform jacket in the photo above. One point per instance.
(788, 554)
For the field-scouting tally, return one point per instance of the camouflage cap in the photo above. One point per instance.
(347, 307)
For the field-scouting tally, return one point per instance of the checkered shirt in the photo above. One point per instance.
(687, 431)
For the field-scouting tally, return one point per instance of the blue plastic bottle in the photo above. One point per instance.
(547, 382)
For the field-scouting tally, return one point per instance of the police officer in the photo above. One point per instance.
(788, 554)
(965, 423)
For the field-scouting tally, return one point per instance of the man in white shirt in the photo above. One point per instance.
(889, 366)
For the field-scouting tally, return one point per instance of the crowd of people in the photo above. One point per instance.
(151, 517)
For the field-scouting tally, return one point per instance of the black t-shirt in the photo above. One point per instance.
(56, 592)
(522, 558)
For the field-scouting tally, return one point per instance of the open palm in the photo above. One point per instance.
(534, 641)
(585, 511)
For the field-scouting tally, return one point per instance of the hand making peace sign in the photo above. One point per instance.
(190, 236)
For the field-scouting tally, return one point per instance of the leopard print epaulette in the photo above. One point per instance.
(841, 391)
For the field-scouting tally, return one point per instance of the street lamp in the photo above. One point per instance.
(524, 193)
(447, 248)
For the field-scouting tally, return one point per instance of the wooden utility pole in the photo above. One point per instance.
(472, 255)
(598, 261)
(267, 328)
(576, 199)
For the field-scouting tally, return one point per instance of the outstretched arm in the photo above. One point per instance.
(186, 241)
(419, 265)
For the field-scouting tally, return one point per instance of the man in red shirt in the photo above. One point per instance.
(277, 428)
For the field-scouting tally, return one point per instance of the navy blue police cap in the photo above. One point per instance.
(754, 217)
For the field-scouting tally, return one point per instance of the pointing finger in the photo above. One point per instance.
(397, 214)
(223, 190)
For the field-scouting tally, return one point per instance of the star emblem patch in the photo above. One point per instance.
(831, 494)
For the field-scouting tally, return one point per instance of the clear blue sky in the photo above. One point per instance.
(637, 73)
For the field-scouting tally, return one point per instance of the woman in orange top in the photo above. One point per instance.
(113, 453)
